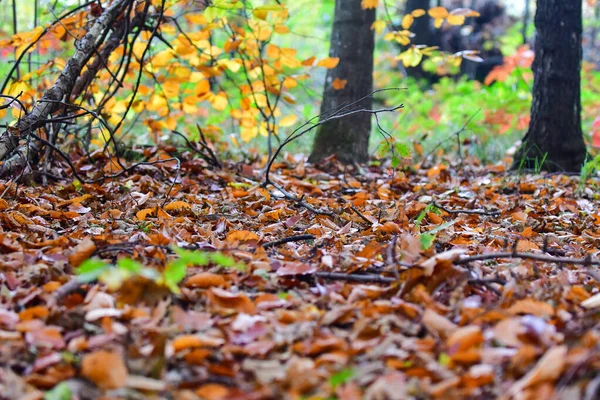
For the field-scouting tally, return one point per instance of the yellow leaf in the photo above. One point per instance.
(366, 4)
(219, 101)
(456, 19)
(378, 26)
(419, 12)
(411, 57)
(288, 121)
(438, 12)
(407, 21)
(260, 14)
(438, 22)
(339, 84)
(329, 62)
(281, 29)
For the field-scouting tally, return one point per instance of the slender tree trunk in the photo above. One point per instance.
(554, 141)
(352, 40)
(526, 20)
(424, 34)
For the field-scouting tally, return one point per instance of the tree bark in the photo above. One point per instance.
(554, 141)
(424, 34)
(85, 49)
(353, 41)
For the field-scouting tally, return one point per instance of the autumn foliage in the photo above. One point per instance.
(139, 258)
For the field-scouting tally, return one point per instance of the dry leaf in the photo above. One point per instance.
(106, 369)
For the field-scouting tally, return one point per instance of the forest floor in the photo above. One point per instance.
(445, 282)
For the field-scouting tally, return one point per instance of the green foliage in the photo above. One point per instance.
(587, 170)
(59, 392)
(174, 272)
(341, 377)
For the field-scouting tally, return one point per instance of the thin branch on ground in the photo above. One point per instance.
(296, 238)
(465, 211)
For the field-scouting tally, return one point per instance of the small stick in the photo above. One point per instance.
(296, 238)
(479, 212)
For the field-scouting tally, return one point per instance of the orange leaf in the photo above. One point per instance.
(329, 62)
(235, 301)
(205, 280)
(533, 307)
(142, 214)
(367, 4)
(106, 369)
(177, 205)
(213, 391)
(339, 84)
(82, 252)
(242, 236)
(37, 312)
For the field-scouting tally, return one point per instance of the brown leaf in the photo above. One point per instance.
(533, 307)
(296, 268)
(548, 368)
(439, 324)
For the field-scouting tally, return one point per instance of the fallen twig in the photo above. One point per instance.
(464, 211)
(296, 238)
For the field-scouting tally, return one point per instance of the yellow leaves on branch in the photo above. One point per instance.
(455, 17)
(413, 56)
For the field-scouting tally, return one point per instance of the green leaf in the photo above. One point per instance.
(403, 150)
(192, 257)
(59, 392)
(426, 240)
(341, 377)
(444, 359)
(174, 273)
(130, 265)
(91, 269)
(383, 149)
(223, 261)
(422, 215)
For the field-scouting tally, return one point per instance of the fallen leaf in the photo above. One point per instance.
(106, 369)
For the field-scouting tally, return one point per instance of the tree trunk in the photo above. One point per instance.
(554, 141)
(353, 41)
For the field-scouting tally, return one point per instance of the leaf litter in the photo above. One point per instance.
(440, 283)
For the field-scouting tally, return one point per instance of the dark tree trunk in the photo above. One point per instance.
(554, 141)
(424, 34)
(352, 40)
